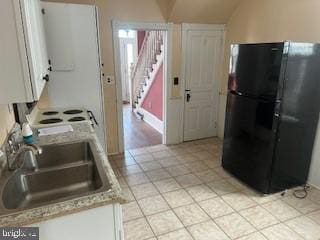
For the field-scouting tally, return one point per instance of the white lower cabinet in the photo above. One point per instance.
(102, 223)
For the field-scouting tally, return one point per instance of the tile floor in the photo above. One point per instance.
(181, 192)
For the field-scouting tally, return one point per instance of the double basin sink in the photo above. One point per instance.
(64, 172)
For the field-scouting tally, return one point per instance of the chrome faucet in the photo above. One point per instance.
(18, 161)
(15, 150)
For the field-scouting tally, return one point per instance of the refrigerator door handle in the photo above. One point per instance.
(236, 93)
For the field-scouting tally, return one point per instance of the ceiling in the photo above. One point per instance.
(197, 11)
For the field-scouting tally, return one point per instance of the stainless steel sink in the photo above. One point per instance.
(56, 155)
(65, 171)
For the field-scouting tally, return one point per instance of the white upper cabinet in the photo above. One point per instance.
(24, 66)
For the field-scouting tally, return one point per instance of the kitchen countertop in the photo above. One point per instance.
(82, 131)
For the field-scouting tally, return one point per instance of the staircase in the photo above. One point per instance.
(146, 67)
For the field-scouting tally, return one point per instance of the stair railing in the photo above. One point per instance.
(143, 67)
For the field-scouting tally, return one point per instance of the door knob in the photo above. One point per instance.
(188, 96)
(46, 78)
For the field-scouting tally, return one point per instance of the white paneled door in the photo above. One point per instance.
(203, 61)
(128, 54)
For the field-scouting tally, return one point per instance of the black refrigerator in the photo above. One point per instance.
(272, 114)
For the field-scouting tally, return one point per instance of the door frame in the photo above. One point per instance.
(120, 25)
(184, 37)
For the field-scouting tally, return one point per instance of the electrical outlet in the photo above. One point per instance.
(109, 79)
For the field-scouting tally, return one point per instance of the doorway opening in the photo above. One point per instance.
(142, 67)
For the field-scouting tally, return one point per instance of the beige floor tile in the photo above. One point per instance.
(157, 148)
(158, 174)
(149, 166)
(201, 192)
(181, 234)
(188, 180)
(259, 217)
(191, 214)
(178, 198)
(126, 161)
(222, 187)
(137, 229)
(222, 173)
(196, 166)
(314, 195)
(161, 154)
(216, 207)
(238, 201)
(187, 158)
(214, 163)
(138, 151)
(136, 179)
(315, 216)
(281, 210)
(128, 194)
(253, 236)
(144, 158)
(177, 151)
(203, 155)
(280, 232)
(302, 205)
(208, 176)
(207, 231)
(234, 225)
(193, 149)
(168, 162)
(305, 227)
(178, 170)
(144, 190)
(153, 205)
(164, 222)
(261, 198)
(167, 185)
(131, 211)
(129, 170)
(237, 184)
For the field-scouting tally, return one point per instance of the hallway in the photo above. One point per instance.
(137, 133)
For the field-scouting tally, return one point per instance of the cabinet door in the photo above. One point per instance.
(36, 47)
(97, 223)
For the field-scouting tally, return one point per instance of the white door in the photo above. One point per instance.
(128, 54)
(76, 78)
(37, 51)
(203, 49)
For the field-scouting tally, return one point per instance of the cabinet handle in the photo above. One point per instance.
(46, 78)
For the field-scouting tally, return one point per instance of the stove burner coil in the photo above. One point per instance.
(50, 121)
(73, 111)
(76, 119)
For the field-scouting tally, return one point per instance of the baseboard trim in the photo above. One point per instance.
(152, 120)
(313, 185)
